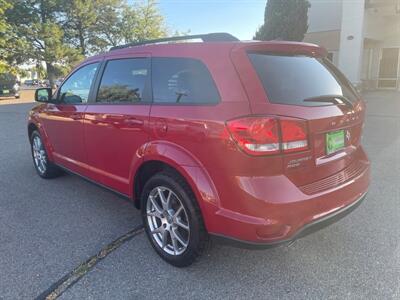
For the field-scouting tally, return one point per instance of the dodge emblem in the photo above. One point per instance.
(348, 135)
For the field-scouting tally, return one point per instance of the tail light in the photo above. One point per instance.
(268, 135)
(294, 135)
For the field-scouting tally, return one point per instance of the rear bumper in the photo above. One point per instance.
(272, 210)
(304, 231)
(11, 93)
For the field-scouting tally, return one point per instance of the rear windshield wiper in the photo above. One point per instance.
(335, 99)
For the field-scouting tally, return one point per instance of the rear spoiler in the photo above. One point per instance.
(282, 47)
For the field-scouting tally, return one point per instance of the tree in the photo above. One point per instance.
(80, 18)
(37, 22)
(95, 25)
(4, 34)
(284, 20)
(148, 23)
(92, 25)
(60, 33)
(11, 47)
(135, 23)
(108, 28)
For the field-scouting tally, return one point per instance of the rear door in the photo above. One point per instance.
(116, 121)
(301, 84)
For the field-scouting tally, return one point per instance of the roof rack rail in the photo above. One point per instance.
(209, 37)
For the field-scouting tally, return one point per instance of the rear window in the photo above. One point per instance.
(6, 78)
(182, 81)
(293, 79)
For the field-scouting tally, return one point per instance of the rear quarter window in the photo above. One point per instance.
(292, 79)
(182, 81)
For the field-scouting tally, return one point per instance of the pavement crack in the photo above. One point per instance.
(60, 286)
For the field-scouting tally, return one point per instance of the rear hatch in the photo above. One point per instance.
(296, 81)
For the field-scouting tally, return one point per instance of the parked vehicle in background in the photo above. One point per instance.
(31, 82)
(9, 85)
(257, 143)
(28, 82)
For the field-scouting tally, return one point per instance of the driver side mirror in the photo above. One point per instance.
(43, 95)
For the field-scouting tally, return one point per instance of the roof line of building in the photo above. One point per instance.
(321, 31)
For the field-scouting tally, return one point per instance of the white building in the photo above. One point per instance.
(362, 37)
(30, 72)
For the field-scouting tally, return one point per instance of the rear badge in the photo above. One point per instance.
(295, 163)
(348, 135)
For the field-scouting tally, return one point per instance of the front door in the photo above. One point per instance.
(389, 68)
(116, 122)
(63, 119)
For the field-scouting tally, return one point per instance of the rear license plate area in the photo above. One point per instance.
(334, 141)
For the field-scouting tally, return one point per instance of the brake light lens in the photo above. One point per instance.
(294, 135)
(256, 136)
(269, 135)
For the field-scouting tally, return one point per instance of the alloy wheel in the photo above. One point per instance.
(168, 220)
(39, 155)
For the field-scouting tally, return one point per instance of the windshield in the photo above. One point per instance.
(293, 79)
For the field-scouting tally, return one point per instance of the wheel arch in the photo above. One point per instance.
(32, 126)
(162, 156)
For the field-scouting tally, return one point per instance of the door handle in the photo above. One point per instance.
(133, 122)
(76, 116)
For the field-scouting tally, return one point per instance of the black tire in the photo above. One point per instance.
(198, 239)
(50, 170)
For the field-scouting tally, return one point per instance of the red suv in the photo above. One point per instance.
(250, 142)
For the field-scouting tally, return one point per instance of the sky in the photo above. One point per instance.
(238, 17)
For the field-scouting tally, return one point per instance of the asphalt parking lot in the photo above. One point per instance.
(48, 228)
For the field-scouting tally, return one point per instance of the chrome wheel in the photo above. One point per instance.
(39, 155)
(168, 221)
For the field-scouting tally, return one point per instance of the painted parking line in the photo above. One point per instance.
(67, 281)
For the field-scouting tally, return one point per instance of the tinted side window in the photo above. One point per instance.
(124, 80)
(76, 88)
(292, 79)
(182, 80)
